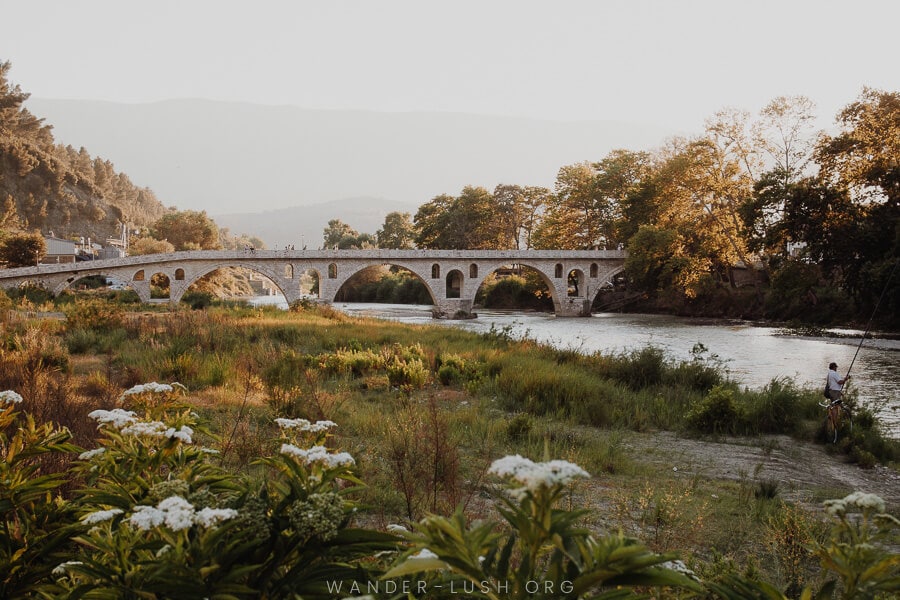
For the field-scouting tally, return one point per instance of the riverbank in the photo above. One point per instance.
(426, 409)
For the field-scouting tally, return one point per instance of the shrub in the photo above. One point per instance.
(97, 315)
(717, 413)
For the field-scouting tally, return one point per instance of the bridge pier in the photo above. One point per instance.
(453, 308)
(574, 307)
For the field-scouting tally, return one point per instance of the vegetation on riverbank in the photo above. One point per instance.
(425, 411)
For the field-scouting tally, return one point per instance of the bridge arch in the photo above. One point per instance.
(477, 282)
(605, 276)
(268, 272)
(335, 285)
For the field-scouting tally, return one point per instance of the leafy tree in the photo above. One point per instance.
(149, 245)
(188, 230)
(466, 222)
(22, 249)
(335, 232)
(862, 159)
(430, 220)
(398, 231)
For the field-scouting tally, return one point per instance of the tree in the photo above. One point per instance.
(430, 220)
(466, 222)
(149, 245)
(397, 232)
(335, 232)
(22, 250)
(187, 230)
(863, 160)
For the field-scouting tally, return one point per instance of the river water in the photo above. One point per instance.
(752, 355)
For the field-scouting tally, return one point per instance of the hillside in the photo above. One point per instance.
(47, 186)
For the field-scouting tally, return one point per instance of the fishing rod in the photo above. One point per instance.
(877, 304)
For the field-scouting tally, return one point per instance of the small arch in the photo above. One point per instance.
(308, 282)
(575, 281)
(288, 271)
(454, 284)
(139, 276)
(557, 271)
(332, 271)
(435, 271)
(160, 286)
(594, 270)
(473, 271)
(179, 274)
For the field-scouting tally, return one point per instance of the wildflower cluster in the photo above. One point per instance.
(177, 514)
(10, 397)
(534, 475)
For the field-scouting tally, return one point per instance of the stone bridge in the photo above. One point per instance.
(452, 277)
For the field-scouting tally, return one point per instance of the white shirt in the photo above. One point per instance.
(833, 379)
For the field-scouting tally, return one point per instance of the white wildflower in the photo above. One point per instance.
(320, 426)
(146, 429)
(292, 423)
(179, 512)
(61, 568)
(99, 516)
(88, 455)
(835, 507)
(209, 451)
(318, 454)
(184, 434)
(424, 553)
(394, 528)
(147, 517)
(116, 417)
(10, 397)
(534, 475)
(210, 516)
(151, 387)
(864, 501)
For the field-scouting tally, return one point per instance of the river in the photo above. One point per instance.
(752, 355)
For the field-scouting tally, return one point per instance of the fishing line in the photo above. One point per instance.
(877, 304)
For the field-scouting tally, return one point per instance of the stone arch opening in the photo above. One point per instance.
(160, 286)
(138, 276)
(332, 271)
(435, 271)
(575, 287)
(385, 284)
(235, 281)
(515, 287)
(179, 274)
(308, 282)
(558, 271)
(594, 270)
(454, 284)
(288, 271)
(473, 271)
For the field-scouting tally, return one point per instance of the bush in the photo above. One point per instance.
(717, 413)
(97, 315)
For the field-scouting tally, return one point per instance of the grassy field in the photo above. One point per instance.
(425, 410)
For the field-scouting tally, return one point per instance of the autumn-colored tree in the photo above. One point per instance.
(187, 230)
(518, 212)
(149, 245)
(22, 249)
(465, 222)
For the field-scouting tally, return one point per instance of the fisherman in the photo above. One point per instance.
(835, 383)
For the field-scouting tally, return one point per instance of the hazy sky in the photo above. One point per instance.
(671, 63)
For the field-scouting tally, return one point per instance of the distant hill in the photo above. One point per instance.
(304, 225)
(230, 158)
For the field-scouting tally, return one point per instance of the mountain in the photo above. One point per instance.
(304, 225)
(232, 158)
